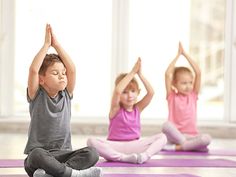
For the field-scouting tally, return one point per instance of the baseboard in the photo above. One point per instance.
(99, 127)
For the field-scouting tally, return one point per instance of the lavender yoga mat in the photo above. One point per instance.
(149, 175)
(11, 163)
(16, 163)
(216, 152)
(124, 175)
(174, 163)
(13, 175)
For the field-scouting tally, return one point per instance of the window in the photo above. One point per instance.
(106, 37)
(84, 30)
(154, 31)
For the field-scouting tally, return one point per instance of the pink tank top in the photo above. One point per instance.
(125, 126)
(183, 111)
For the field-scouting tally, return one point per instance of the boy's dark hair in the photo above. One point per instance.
(49, 60)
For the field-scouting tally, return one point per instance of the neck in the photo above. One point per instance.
(128, 108)
(51, 93)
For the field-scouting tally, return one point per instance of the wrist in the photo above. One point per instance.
(56, 46)
(46, 46)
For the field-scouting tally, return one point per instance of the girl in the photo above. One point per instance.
(123, 142)
(182, 93)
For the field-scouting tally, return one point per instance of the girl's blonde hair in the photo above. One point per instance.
(132, 85)
(181, 70)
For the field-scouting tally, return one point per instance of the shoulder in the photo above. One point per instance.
(136, 109)
(67, 94)
(39, 92)
(116, 114)
(171, 94)
(194, 95)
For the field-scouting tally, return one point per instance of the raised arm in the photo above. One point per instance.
(170, 71)
(120, 87)
(33, 77)
(70, 67)
(150, 92)
(196, 69)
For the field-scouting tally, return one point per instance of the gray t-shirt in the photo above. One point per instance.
(50, 121)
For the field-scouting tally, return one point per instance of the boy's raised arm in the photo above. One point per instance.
(33, 77)
(70, 66)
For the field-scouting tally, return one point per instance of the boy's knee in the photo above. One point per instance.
(77, 160)
(35, 155)
(33, 160)
(93, 155)
(92, 158)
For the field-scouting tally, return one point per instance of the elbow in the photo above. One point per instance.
(72, 71)
(33, 71)
(198, 73)
(72, 68)
(151, 93)
(168, 75)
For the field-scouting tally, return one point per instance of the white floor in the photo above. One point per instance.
(12, 147)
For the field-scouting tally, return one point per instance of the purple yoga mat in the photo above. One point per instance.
(149, 175)
(216, 152)
(11, 163)
(123, 175)
(16, 163)
(174, 163)
(14, 175)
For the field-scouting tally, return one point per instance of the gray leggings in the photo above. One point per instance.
(59, 163)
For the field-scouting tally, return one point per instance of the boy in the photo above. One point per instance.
(51, 82)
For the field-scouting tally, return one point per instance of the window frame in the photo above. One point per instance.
(230, 63)
(7, 38)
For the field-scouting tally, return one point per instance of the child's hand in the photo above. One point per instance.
(181, 50)
(54, 39)
(140, 66)
(137, 66)
(48, 41)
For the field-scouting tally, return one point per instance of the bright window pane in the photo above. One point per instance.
(155, 29)
(84, 30)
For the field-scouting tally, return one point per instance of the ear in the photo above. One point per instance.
(41, 79)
